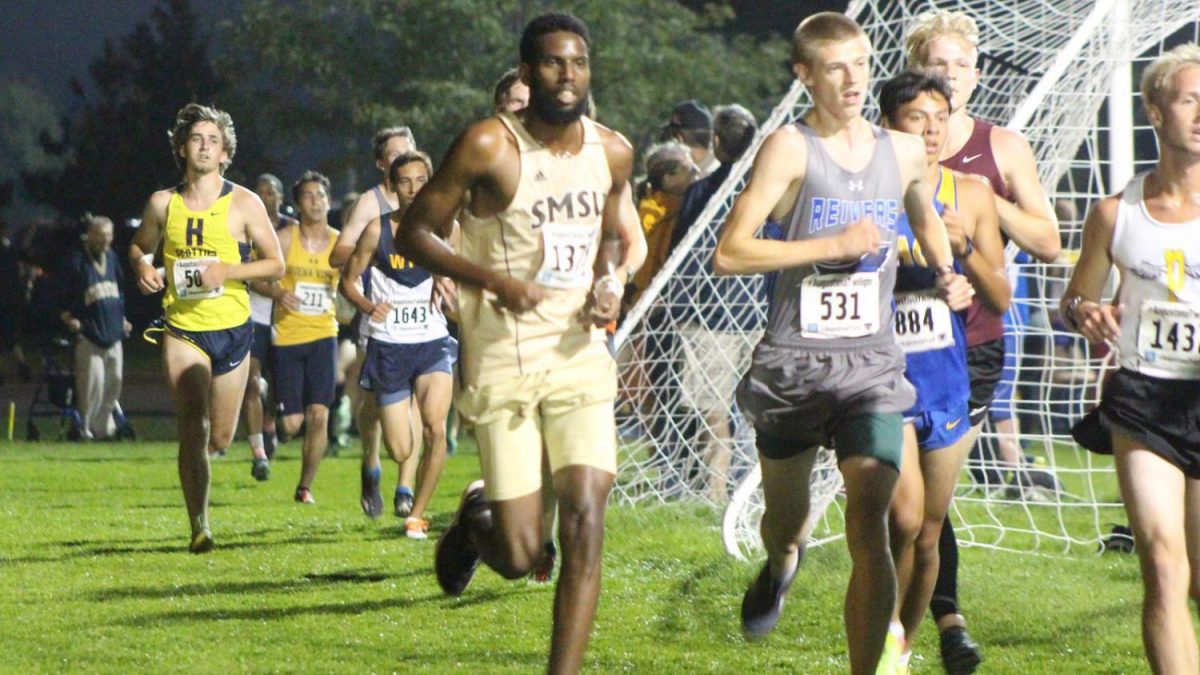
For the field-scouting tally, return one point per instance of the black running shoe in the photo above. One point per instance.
(960, 654)
(370, 500)
(762, 605)
(260, 469)
(202, 542)
(455, 558)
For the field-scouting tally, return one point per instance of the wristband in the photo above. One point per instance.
(610, 281)
(1069, 312)
(943, 270)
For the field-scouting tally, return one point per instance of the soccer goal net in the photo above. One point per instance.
(1064, 73)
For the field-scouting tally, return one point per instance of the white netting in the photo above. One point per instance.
(1047, 70)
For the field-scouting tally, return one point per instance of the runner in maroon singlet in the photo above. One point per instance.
(947, 43)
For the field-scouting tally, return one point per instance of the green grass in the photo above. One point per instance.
(95, 578)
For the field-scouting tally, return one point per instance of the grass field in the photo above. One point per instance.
(95, 578)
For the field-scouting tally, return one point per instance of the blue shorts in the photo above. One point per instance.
(937, 429)
(305, 375)
(1002, 401)
(225, 348)
(391, 370)
(261, 349)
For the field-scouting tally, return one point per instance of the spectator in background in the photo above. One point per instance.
(14, 298)
(511, 94)
(692, 125)
(712, 320)
(669, 171)
(95, 313)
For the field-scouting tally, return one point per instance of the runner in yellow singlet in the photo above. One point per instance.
(206, 226)
(304, 326)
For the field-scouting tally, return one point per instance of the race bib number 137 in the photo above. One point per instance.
(569, 251)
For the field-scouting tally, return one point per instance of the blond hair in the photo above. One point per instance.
(821, 29)
(929, 26)
(192, 114)
(1157, 79)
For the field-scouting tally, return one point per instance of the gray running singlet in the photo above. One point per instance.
(840, 306)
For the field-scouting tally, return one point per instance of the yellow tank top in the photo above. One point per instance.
(314, 281)
(548, 234)
(193, 240)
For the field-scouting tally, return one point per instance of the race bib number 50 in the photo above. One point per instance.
(569, 250)
(922, 322)
(839, 305)
(188, 285)
(1169, 337)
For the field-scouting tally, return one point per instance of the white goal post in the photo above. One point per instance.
(1049, 67)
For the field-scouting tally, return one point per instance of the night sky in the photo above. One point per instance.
(48, 42)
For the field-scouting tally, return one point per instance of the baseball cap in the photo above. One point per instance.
(690, 114)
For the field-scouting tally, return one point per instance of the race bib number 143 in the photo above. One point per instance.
(1169, 337)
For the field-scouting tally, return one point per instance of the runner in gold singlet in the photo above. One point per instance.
(206, 226)
(304, 326)
(548, 237)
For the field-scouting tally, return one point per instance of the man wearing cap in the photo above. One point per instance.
(691, 124)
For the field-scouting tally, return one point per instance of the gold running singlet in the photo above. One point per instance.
(548, 234)
(310, 277)
(193, 240)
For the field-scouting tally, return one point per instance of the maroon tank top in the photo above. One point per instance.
(976, 157)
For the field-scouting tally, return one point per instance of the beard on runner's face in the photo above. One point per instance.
(544, 102)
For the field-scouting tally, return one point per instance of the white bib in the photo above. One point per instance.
(567, 255)
(922, 322)
(315, 299)
(407, 316)
(839, 305)
(188, 285)
(1168, 338)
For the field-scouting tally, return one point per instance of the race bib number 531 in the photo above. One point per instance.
(569, 250)
(1169, 337)
(839, 305)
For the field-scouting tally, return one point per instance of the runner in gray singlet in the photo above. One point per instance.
(801, 386)
(827, 371)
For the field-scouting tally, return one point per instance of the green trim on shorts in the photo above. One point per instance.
(876, 435)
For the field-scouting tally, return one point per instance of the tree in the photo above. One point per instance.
(114, 148)
(339, 69)
(27, 121)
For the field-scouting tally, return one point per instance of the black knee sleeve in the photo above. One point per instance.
(945, 589)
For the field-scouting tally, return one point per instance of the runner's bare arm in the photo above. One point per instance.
(1095, 321)
(1030, 222)
(622, 242)
(365, 210)
(779, 164)
(259, 230)
(360, 260)
(472, 165)
(146, 241)
(983, 258)
(926, 224)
